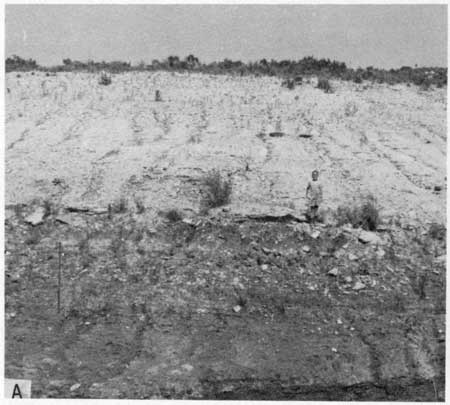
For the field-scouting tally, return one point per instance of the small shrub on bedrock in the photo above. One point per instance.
(365, 215)
(324, 85)
(105, 80)
(217, 190)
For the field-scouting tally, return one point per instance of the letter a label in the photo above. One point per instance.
(17, 389)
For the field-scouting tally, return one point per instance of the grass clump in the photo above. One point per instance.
(364, 215)
(324, 84)
(217, 190)
(105, 80)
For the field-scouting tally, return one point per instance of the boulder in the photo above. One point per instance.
(37, 217)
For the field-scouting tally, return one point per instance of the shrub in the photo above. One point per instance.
(324, 85)
(365, 215)
(217, 190)
(105, 80)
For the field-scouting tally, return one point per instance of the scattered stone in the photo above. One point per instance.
(333, 272)
(306, 249)
(348, 279)
(94, 387)
(348, 228)
(266, 250)
(359, 286)
(188, 221)
(352, 257)
(315, 234)
(333, 349)
(237, 308)
(75, 387)
(381, 253)
(369, 237)
(338, 254)
(56, 384)
(339, 321)
(264, 267)
(37, 217)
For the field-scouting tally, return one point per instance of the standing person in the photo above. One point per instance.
(314, 196)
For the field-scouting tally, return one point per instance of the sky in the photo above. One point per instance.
(385, 36)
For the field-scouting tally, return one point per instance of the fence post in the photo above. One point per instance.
(59, 276)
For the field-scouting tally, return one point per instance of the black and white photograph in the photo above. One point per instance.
(225, 201)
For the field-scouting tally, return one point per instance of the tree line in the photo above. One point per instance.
(308, 66)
